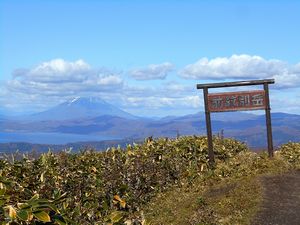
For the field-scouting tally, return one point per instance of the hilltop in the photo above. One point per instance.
(158, 182)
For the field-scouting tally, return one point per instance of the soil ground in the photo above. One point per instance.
(281, 200)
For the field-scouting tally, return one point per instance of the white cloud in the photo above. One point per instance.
(174, 87)
(193, 101)
(57, 70)
(236, 66)
(296, 68)
(108, 80)
(55, 81)
(155, 102)
(244, 67)
(169, 90)
(288, 102)
(287, 80)
(62, 78)
(152, 72)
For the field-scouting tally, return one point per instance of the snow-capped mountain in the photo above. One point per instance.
(81, 107)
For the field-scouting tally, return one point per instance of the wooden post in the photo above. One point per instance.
(268, 120)
(208, 129)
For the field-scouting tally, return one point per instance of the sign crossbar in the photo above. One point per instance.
(236, 83)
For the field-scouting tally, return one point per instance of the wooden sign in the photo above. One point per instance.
(234, 101)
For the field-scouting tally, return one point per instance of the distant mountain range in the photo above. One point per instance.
(92, 120)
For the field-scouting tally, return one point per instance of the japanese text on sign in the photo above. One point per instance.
(233, 101)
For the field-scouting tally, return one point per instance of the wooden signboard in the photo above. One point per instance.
(233, 101)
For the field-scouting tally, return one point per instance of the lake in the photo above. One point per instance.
(49, 138)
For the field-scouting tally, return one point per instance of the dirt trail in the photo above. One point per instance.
(281, 204)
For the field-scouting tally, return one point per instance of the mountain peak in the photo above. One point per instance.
(82, 108)
(86, 100)
(75, 99)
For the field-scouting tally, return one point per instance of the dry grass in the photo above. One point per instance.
(233, 202)
(232, 195)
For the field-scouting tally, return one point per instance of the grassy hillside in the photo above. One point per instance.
(158, 182)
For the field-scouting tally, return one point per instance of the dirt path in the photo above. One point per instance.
(281, 204)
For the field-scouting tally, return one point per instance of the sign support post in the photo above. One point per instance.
(234, 101)
(208, 129)
(268, 121)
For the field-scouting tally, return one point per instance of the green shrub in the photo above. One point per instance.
(291, 153)
(102, 187)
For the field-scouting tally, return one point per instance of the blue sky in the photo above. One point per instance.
(145, 57)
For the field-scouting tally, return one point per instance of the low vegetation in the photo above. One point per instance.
(161, 181)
